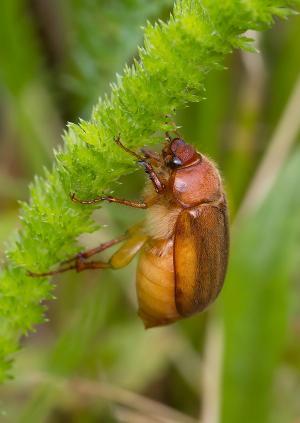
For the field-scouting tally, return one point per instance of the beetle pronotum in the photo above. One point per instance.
(183, 242)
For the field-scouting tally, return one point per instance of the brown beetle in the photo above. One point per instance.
(184, 240)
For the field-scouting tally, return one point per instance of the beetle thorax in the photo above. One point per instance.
(186, 187)
(161, 217)
(197, 184)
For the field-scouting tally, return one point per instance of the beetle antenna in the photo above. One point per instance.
(170, 121)
(176, 132)
(168, 137)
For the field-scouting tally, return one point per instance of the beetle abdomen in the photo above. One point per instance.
(155, 284)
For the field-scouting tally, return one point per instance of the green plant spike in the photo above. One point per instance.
(169, 74)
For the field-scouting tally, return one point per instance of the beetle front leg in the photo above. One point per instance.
(143, 161)
(151, 155)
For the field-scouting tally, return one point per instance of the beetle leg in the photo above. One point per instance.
(102, 247)
(78, 260)
(79, 266)
(133, 241)
(142, 160)
(128, 250)
(158, 184)
(52, 272)
(129, 203)
(131, 152)
(151, 154)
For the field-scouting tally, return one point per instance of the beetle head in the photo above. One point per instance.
(178, 153)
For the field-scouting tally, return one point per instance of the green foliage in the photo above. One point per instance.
(16, 59)
(171, 73)
(96, 42)
(264, 255)
(21, 81)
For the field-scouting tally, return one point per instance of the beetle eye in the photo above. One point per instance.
(176, 161)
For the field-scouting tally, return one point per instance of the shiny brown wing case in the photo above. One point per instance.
(200, 256)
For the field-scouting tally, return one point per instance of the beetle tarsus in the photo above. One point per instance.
(79, 264)
(93, 201)
(131, 152)
(51, 273)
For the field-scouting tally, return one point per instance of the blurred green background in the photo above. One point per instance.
(93, 361)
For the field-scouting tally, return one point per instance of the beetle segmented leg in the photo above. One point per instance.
(51, 273)
(147, 154)
(132, 241)
(102, 247)
(129, 203)
(131, 152)
(157, 183)
(142, 160)
(151, 154)
(79, 260)
(79, 266)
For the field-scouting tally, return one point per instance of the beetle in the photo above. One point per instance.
(184, 240)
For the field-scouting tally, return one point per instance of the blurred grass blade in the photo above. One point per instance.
(101, 39)
(31, 114)
(276, 154)
(256, 299)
